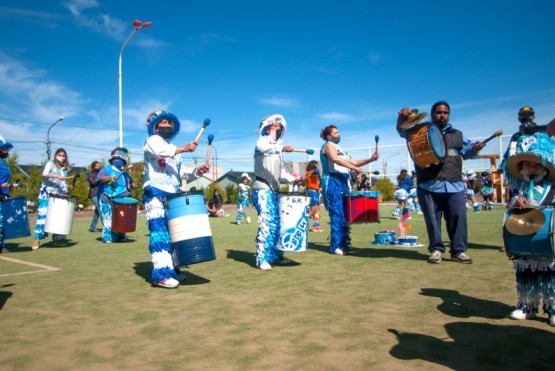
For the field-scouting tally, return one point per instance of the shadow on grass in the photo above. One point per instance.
(5, 295)
(144, 270)
(479, 246)
(375, 251)
(462, 306)
(249, 259)
(474, 346)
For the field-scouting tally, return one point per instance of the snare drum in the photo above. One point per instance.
(15, 218)
(426, 144)
(539, 245)
(293, 213)
(59, 214)
(124, 214)
(361, 207)
(189, 228)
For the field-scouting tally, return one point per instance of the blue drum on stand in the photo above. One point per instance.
(528, 233)
(15, 218)
(189, 228)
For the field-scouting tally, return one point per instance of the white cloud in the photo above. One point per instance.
(335, 117)
(279, 102)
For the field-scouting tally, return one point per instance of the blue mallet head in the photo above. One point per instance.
(377, 138)
(210, 138)
(310, 151)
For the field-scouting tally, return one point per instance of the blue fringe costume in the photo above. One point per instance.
(535, 278)
(334, 185)
(265, 202)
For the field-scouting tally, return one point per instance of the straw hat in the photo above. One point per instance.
(537, 148)
(412, 119)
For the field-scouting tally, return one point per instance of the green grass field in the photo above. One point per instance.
(90, 306)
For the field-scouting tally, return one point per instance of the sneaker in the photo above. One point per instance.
(265, 267)
(92, 230)
(552, 320)
(248, 220)
(168, 283)
(396, 217)
(338, 251)
(461, 257)
(36, 245)
(520, 314)
(435, 257)
(4, 250)
(317, 229)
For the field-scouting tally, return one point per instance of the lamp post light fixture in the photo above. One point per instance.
(48, 137)
(137, 25)
(385, 163)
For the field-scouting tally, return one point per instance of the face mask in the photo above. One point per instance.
(4, 154)
(335, 140)
(165, 132)
(119, 163)
(60, 159)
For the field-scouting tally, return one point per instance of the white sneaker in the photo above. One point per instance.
(338, 251)
(265, 267)
(552, 320)
(520, 314)
(169, 283)
(248, 220)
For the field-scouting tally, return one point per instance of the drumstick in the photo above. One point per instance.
(204, 125)
(210, 139)
(496, 134)
(310, 151)
(377, 139)
(78, 175)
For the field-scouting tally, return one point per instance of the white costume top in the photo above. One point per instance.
(163, 165)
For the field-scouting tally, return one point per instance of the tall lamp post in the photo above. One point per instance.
(48, 137)
(385, 163)
(137, 25)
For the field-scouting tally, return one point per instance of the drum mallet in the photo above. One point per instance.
(496, 134)
(210, 139)
(310, 151)
(377, 139)
(204, 125)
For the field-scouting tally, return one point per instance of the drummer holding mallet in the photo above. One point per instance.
(5, 185)
(441, 187)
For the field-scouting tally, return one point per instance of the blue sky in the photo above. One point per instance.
(350, 63)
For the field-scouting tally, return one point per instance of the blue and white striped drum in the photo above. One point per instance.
(15, 218)
(189, 228)
(293, 216)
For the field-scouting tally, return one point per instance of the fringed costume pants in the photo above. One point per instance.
(160, 244)
(334, 188)
(535, 279)
(265, 202)
(106, 210)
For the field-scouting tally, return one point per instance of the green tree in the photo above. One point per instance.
(386, 188)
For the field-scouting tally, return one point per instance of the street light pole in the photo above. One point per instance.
(48, 137)
(137, 25)
(385, 164)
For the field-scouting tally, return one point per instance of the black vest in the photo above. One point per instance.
(451, 167)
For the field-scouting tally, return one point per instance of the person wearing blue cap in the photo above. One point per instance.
(5, 185)
(163, 174)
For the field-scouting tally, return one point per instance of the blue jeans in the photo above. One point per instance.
(96, 214)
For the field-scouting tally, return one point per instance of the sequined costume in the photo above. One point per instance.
(535, 278)
(269, 171)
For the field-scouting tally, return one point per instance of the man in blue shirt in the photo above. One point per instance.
(441, 187)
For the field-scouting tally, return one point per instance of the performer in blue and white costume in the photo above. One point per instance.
(5, 184)
(269, 171)
(55, 173)
(113, 182)
(531, 177)
(336, 182)
(243, 192)
(163, 175)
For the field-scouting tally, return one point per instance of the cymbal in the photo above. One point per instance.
(523, 222)
(412, 119)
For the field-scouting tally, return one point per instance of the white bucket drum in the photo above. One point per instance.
(59, 215)
(293, 213)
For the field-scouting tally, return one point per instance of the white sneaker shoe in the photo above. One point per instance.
(265, 267)
(552, 320)
(339, 252)
(248, 220)
(169, 283)
(520, 314)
